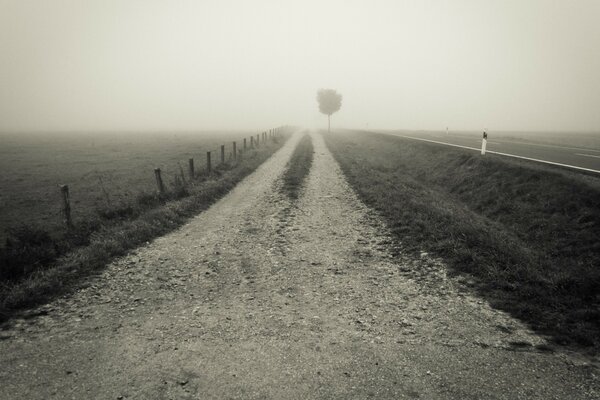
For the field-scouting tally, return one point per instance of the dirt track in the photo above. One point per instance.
(259, 297)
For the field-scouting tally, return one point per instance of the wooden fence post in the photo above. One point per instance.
(222, 154)
(159, 182)
(64, 190)
(208, 166)
(234, 150)
(244, 144)
(252, 141)
(191, 167)
(181, 174)
(257, 141)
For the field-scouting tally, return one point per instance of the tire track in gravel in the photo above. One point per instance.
(264, 297)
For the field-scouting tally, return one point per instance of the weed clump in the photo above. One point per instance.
(26, 249)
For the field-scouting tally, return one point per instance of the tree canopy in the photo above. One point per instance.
(329, 100)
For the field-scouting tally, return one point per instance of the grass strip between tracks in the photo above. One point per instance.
(103, 239)
(298, 167)
(527, 236)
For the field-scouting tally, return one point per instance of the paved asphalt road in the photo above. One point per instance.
(585, 158)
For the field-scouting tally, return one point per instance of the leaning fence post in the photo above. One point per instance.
(234, 150)
(257, 141)
(159, 182)
(252, 141)
(64, 190)
(244, 144)
(208, 166)
(222, 154)
(191, 167)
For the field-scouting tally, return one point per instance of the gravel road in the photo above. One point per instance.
(260, 297)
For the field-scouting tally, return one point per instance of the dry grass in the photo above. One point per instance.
(529, 234)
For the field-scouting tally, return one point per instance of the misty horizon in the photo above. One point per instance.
(155, 66)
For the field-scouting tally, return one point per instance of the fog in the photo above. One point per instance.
(197, 65)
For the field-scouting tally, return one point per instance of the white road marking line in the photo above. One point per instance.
(503, 154)
(586, 155)
(549, 145)
(501, 140)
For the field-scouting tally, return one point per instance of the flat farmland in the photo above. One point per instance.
(101, 169)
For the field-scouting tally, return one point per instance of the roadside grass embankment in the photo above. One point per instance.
(37, 266)
(528, 234)
(298, 167)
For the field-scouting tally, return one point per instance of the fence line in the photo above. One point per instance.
(236, 156)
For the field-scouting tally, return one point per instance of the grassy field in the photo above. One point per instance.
(36, 265)
(102, 170)
(528, 234)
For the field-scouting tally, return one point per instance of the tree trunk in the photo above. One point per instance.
(328, 123)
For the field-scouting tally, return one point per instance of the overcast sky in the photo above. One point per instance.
(186, 65)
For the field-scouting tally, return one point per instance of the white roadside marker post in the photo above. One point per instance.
(483, 143)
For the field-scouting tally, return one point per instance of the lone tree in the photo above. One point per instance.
(330, 101)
